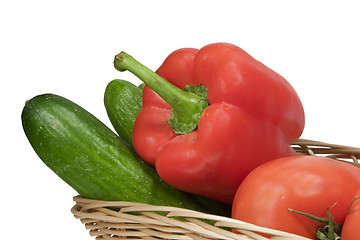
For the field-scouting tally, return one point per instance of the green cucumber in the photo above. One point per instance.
(122, 101)
(92, 159)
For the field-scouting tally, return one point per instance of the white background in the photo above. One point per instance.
(67, 48)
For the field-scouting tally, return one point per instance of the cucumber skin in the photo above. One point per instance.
(122, 101)
(91, 158)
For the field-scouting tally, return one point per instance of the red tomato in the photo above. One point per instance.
(303, 183)
(350, 230)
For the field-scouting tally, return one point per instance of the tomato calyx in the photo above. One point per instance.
(352, 202)
(329, 231)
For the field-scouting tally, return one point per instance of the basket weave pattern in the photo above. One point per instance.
(144, 221)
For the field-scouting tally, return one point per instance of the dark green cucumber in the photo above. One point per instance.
(93, 159)
(122, 101)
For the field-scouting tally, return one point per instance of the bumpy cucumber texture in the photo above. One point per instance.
(91, 158)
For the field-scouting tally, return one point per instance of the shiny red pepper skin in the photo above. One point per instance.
(253, 116)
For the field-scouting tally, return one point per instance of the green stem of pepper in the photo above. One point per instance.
(187, 106)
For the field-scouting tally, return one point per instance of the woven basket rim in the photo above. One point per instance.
(106, 223)
(89, 210)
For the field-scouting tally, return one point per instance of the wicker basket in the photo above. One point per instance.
(104, 223)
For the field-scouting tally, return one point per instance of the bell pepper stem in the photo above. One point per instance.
(186, 106)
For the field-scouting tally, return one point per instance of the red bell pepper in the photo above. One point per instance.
(234, 114)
